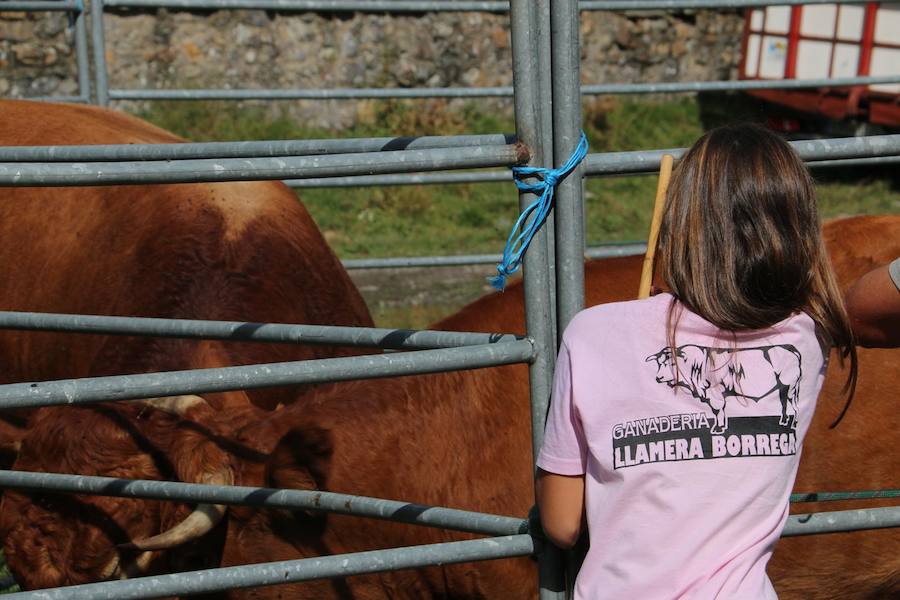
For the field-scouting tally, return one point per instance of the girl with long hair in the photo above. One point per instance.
(676, 422)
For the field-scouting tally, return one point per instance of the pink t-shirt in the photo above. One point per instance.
(687, 478)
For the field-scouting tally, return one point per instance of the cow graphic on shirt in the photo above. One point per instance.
(713, 375)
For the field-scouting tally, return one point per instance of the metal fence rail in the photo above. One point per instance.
(248, 149)
(606, 251)
(491, 92)
(292, 571)
(396, 339)
(43, 5)
(369, 6)
(395, 510)
(647, 161)
(344, 504)
(200, 381)
(842, 520)
(485, 176)
(401, 6)
(340, 165)
(249, 169)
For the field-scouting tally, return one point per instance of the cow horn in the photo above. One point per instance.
(197, 524)
(115, 570)
(111, 569)
(174, 405)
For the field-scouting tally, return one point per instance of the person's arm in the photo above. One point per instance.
(873, 305)
(561, 502)
(559, 486)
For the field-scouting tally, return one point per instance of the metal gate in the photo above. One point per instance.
(546, 74)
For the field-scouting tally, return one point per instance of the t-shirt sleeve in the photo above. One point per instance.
(564, 450)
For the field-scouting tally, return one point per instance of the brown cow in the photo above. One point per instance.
(411, 439)
(230, 251)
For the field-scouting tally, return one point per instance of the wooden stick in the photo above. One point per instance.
(665, 173)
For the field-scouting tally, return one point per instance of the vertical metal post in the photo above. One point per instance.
(538, 311)
(566, 59)
(81, 55)
(569, 224)
(99, 48)
(545, 114)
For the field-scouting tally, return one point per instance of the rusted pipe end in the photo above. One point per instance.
(523, 153)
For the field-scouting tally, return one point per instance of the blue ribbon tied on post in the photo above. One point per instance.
(535, 214)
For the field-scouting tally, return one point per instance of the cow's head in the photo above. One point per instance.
(665, 371)
(685, 368)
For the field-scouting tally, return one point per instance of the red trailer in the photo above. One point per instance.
(818, 41)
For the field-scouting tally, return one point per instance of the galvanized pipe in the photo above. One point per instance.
(647, 161)
(310, 94)
(397, 339)
(843, 520)
(619, 5)
(292, 571)
(78, 21)
(72, 99)
(566, 136)
(101, 82)
(545, 115)
(729, 86)
(559, 573)
(199, 381)
(250, 149)
(396, 6)
(885, 148)
(194, 493)
(388, 6)
(537, 274)
(854, 162)
(405, 179)
(41, 5)
(243, 169)
(491, 92)
(505, 176)
(528, 129)
(606, 251)
(842, 496)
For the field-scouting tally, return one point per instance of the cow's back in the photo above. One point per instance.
(27, 123)
(239, 251)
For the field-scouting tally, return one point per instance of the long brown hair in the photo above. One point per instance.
(740, 242)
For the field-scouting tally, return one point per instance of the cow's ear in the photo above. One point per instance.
(301, 460)
(649, 358)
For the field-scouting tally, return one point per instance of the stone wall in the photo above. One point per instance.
(257, 49)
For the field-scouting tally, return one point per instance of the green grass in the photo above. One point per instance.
(476, 218)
